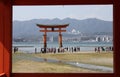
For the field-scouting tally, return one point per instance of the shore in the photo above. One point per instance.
(100, 59)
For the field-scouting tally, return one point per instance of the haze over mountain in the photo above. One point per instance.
(91, 25)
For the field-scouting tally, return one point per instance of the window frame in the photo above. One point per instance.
(6, 36)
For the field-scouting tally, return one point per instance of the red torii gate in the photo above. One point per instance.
(51, 28)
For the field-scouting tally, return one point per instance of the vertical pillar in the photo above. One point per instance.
(116, 34)
(5, 37)
(60, 40)
(1, 37)
(8, 37)
(44, 40)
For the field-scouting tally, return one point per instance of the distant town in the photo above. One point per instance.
(73, 36)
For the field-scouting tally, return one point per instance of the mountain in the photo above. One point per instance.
(28, 29)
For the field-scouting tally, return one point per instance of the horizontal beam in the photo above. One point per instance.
(62, 75)
(60, 2)
(52, 26)
(52, 31)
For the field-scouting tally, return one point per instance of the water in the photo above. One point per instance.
(29, 47)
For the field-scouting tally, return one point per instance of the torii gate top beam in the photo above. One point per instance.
(46, 28)
(52, 26)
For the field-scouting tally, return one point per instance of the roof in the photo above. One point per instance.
(52, 26)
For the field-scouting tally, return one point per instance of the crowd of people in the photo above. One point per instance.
(67, 49)
(60, 50)
(107, 49)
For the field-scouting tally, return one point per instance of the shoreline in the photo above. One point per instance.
(67, 52)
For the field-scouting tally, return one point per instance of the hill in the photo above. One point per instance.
(28, 29)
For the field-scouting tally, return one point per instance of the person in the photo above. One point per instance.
(112, 48)
(102, 48)
(95, 49)
(99, 49)
(35, 50)
(54, 50)
(72, 49)
(78, 48)
(43, 50)
(58, 50)
(107, 49)
(15, 49)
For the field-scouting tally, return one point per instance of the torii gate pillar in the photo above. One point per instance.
(45, 40)
(60, 40)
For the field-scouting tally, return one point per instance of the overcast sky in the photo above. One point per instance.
(104, 12)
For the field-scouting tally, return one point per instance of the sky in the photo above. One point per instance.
(103, 12)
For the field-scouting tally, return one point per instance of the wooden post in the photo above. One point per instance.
(44, 40)
(8, 37)
(5, 37)
(1, 37)
(60, 40)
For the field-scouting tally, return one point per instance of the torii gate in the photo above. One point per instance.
(51, 28)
